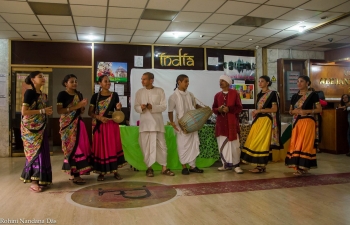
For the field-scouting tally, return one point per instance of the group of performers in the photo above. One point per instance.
(106, 154)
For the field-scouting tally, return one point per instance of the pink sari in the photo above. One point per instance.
(107, 150)
(75, 142)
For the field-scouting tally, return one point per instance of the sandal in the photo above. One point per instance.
(100, 177)
(167, 172)
(298, 173)
(79, 181)
(149, 173)
(258, 170)
(117, 176)
(36, 189)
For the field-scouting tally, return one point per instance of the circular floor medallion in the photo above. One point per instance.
(119, 195)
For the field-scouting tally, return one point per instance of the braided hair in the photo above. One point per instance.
(181, 77)
(99, 92)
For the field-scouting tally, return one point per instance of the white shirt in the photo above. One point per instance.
(151, 119)
(185, 104)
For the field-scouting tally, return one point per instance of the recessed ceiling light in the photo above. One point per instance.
(91, 37)
(250, 39)
(201, 35)
(301, 29)
(217, 43)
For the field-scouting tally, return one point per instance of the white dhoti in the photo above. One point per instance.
(230, 152)
(188, 147)
(153, 147)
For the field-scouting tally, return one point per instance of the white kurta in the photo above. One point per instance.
(151, 138)
(187, 144)
(231, 153)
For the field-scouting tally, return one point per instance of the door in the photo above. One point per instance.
(18, 88)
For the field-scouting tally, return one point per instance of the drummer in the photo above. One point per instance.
(183, 101)
(150, 102)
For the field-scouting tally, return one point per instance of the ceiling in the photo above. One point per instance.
(206, 23)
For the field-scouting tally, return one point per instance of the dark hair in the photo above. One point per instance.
(306, 78)
(67, 77)
(342, 103)
(99, 92)
(100, 78)
(267, 79)
(181, 77)
(29, 78)
(149, 75)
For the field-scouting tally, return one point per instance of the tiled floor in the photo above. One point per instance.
(214, 197)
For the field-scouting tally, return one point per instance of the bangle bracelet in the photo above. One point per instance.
(40, 111)
(44, 112)
(68, 109)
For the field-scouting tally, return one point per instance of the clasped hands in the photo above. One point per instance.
(298, 111)
(146, 106)
(223, 108)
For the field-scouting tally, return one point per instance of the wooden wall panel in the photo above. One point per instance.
(336, 54)
(318, 72)
(180, 57)
(51, 53)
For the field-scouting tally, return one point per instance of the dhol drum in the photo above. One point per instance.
(195, 119)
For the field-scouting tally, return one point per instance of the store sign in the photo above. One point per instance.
(337, 81)
(178, 58)
(182, 59)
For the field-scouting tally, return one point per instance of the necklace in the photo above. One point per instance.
(223, 114)
(225, 96)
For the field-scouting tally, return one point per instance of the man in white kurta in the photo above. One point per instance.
(150, 102)
(187, 144)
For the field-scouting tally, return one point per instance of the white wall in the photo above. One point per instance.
(4, 109)
(203, 84)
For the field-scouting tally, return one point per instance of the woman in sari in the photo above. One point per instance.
(75, 141)
(37, 169)
(107, 149)
(303, 144)
(266, 128)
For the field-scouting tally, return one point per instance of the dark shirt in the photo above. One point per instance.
(309, 104)
(65, 98)
(272, 95)
(30, 96)
(101, 98)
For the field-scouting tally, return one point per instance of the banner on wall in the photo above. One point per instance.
(240, 67)
(116, 71)
(173, 57)
(246, 92)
